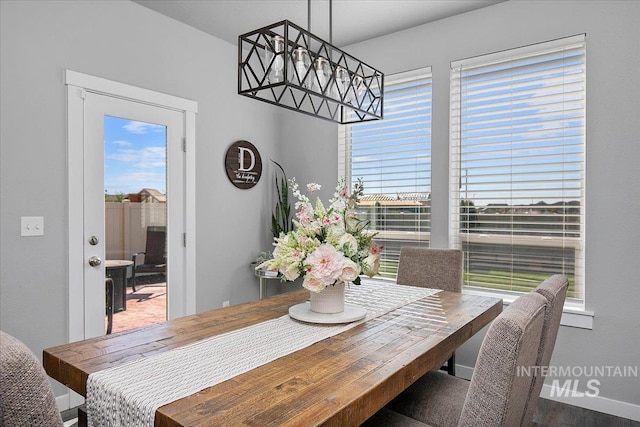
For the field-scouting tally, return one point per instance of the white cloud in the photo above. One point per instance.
(142, 127)
(148, 157)
(122, 143)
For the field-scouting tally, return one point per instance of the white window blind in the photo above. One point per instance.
(517, 144)
(393, 159)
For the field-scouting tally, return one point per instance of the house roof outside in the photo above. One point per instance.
(146, 195)
(400, 199)
(151, 195)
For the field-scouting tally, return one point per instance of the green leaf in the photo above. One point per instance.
(281, 217)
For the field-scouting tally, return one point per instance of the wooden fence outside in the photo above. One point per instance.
(126, 224)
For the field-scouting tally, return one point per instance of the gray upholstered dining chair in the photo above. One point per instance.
(26, 397)
(499, 388)
(432, 268)
(554, 289)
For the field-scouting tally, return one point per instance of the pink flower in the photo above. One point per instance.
(312, 284)
(326, 264)
(350, 271)
(375, 249)
(304, 215)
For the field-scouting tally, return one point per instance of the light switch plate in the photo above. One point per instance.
(32, 226)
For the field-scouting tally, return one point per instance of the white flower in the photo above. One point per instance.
(292, 272)
(313, 187)
(371, 264)
(348, 244)
(326, 245)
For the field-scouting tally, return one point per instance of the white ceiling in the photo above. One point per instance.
(353, 20)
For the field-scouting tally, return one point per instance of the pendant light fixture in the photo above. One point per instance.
(286, 65)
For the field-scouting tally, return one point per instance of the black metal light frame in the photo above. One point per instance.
(356, 96)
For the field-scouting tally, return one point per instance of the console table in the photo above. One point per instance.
(264, 276)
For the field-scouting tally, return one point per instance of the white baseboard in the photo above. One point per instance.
(69, 400)
(595, 403)
(464, 372)
(63, 402)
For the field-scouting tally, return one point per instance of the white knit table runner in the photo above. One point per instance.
(129, 395)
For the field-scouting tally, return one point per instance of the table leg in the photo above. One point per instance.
(262, 279)
(82, 416)
(124, 288)
(109, 297)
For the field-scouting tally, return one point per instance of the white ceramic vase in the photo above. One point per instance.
(330, 300)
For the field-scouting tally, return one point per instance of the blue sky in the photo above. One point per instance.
(134, 156)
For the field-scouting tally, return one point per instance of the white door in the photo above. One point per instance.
(89, 101)
(143, 118)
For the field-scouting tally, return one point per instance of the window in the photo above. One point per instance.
(393, 159)
(517, 143)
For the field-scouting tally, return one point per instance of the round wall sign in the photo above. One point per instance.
(243, 164)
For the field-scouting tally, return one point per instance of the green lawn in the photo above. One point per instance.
(501, 280)
(505, 280)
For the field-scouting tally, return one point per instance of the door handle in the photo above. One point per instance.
(94, 261)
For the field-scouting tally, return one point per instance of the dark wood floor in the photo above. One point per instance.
(549, 414)
(555, 414)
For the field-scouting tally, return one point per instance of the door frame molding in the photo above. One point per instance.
(77, 84)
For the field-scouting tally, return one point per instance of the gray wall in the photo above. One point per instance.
(312, 151)
(613, 154)
(125, 42)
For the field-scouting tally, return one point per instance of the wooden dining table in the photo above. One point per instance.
(339, 381)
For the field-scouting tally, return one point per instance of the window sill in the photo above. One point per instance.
(573, 314)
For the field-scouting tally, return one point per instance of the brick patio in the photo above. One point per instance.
(144, 307)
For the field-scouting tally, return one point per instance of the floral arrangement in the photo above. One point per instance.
(326, 245)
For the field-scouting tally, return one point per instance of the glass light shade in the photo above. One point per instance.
(322, 74)
(357, 89)
(341, 82)
(301, 62)
(275, 52)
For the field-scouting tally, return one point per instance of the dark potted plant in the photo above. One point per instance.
(281, 217)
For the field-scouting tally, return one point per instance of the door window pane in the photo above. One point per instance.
(135, 180)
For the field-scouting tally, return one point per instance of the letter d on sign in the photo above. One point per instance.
(241, 153)
(243, 164)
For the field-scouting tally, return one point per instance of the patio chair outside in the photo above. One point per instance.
(155, 257)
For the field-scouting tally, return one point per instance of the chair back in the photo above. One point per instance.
(554, 289)
(156, 245)
(26, 397)
(500, 383)
(430, 268)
